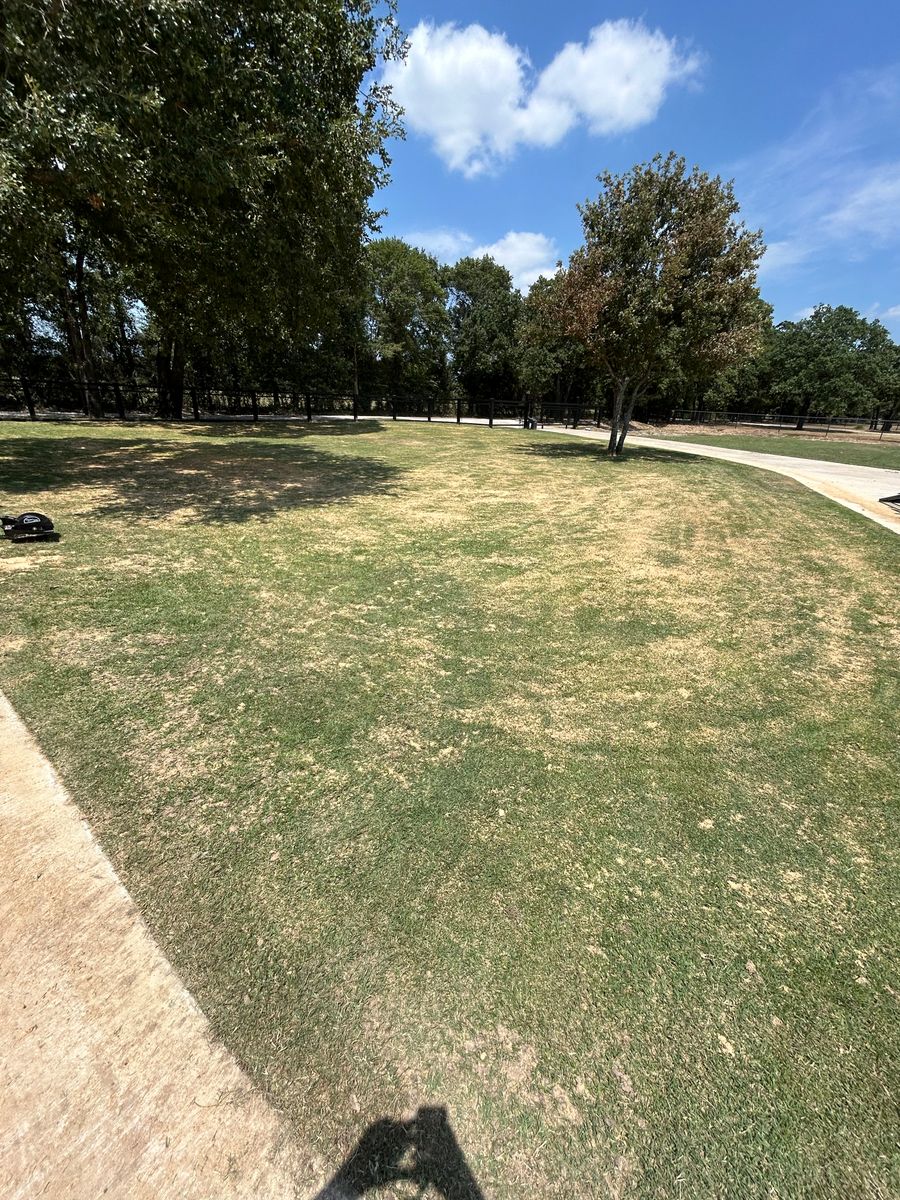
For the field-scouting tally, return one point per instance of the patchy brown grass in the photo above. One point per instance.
(467, 768)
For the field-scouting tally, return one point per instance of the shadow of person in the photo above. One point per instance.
(423, 1151)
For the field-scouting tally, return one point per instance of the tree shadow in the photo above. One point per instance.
(423, 1151)
(290, 427)
(187, 480)
(596, 449)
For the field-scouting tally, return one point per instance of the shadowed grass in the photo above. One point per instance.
(464, 767)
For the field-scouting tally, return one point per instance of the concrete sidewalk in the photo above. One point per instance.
(858, 488)
(110, 1082)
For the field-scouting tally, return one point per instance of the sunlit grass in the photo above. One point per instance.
(468, 767)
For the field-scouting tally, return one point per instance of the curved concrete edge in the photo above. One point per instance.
(110, 1082)
(854, 487)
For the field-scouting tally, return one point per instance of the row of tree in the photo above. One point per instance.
(196, 176)
(186, 199)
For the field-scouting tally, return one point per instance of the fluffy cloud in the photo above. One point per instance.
(474, 94)
(526, 256)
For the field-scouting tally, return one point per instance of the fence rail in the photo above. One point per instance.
(211, 402)
(811, 422)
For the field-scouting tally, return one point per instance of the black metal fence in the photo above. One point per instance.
(214, 402)
(811, 422)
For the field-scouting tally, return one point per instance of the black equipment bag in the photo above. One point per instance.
(27, 525)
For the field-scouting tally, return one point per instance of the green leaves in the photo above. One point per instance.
(484, 310)
(664, 287)
(226, 154)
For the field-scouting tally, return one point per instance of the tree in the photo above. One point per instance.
(552, 365)
(225, 154)
(406, 317)
(828, 362)
(664, 287)
(886, 384)
(484, 308)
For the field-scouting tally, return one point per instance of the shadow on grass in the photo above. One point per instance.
(152, 477)
(584, 448)
(295, 427)
(423, 1152)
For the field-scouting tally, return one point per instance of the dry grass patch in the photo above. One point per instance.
(465, 767)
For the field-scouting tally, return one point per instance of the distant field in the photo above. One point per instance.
(465, 767)
(834, 448)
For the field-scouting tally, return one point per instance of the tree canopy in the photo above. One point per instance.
(664, 286)
(407, 318)
(484, 309)
(224, 155)
(829, 360)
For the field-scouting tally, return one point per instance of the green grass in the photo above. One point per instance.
(801, 445)
(467, 767)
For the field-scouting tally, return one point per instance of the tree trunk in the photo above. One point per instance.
(176, 380)
(616, 416)
(120, 402)
(804, 412)
(73, 340)
(163, 364)
(170, 377)
(625, 423)
(94, 395)
(29, 398)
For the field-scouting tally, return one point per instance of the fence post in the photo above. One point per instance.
(393, 409)
(458, 409)
(254, 405)
(430, 407)
(491, 414)
(526, 412)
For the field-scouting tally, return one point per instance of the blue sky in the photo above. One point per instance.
(512, 110)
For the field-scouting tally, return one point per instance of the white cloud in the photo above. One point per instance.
(445, 244)
(780, 255)
(893, 312)
(872, 207)
(474, 94)
(831, 191)
(525, 255)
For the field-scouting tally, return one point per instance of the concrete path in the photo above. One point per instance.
(110, 1084)
(858, 488)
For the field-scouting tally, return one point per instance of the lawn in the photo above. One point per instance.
(465, 767)
(801, 445)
